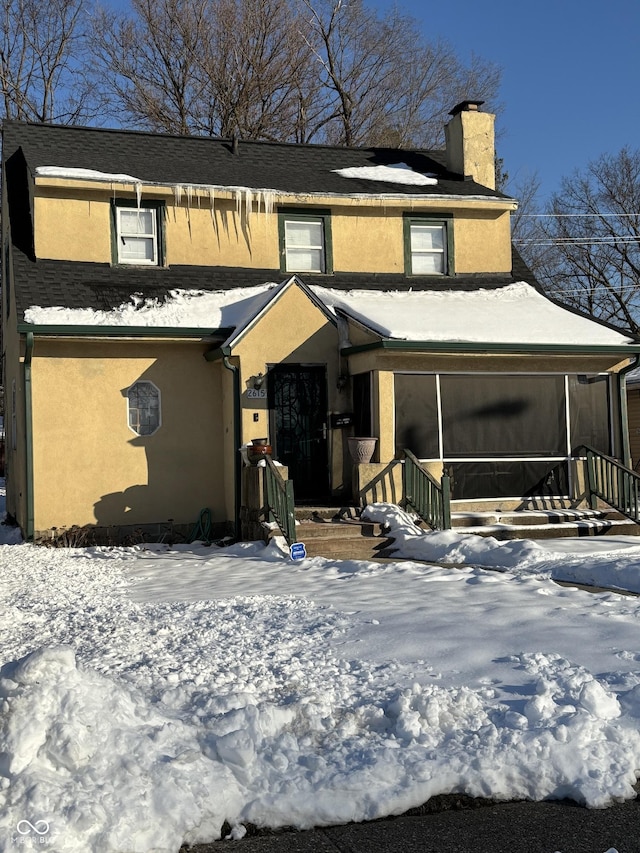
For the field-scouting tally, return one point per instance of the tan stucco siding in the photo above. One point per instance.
(222, 237)
(371, 240)
(365, 237)
(91, 468)
(77, 229)
(482, 243)
(292, 331)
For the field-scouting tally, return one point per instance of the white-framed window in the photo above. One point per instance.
(143, 403)
(137, 232)
(137, 235)
(428, 247)
(305, 242)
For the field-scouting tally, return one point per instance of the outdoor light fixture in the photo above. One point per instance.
(258, 381)
(342, 381)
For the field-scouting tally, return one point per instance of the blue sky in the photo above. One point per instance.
(571, 75)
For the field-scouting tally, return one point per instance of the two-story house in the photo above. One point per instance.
(168, 299)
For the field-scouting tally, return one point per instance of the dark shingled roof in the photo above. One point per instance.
(70, 284)
(159, 158)
(166, 159)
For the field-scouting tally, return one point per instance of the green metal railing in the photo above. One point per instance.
(423, 494)
(614, 483)
(279, 501)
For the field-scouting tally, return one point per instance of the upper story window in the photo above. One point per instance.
(138, 233)
(143, 399)
(428, 246)
(305, 242)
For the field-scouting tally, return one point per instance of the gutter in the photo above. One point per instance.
(223, 354)
(68, 331)
(28, 420)
(492, 348)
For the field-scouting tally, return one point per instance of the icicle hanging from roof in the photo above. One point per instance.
(138, 188)
(212, 203)
(268, 199)
(177, 194)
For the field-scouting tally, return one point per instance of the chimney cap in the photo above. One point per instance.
(466, 106)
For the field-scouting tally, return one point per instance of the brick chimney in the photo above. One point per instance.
(470, 139)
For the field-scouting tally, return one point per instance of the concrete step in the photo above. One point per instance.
(591, 524)
(341, 539)
(530, 517)
(327, 513)
(337, 533)
(338, 529)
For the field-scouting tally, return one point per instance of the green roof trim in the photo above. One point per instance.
(68, 331)
(493, 348)
(217, 354)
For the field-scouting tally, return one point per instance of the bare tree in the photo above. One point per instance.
(382, 82)
(525, 222)
(42, 61)
(149, 63)
(287, 70)
(257, 68)
(588, 240)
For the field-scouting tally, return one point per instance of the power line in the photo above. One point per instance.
(575, 215)
(574, 241)
(583, 291)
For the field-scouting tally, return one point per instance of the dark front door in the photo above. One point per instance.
(298, 404)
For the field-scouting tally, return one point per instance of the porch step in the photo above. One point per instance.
(338, 533)
(343, 539)
(544, 524)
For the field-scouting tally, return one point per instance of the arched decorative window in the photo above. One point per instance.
(143, 400)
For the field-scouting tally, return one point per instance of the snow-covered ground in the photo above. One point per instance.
(147, 696)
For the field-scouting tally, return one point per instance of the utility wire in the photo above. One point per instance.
(575, 215)
(575, 241)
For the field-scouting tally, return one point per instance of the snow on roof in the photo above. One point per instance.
(395, 173)
(184, 309)
(84, 175)
(514, 314)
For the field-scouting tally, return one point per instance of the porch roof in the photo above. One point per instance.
(497, 318)
(515, 317)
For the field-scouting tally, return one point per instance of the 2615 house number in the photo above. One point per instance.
(256, 393)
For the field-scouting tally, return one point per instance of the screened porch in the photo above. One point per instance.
(504, 435)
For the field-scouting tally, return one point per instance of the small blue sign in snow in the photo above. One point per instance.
(297, 551)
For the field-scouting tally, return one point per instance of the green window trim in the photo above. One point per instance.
(306, 215)
(445, 221)
(159, 209)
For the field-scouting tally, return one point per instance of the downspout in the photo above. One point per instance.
(624, 414)
(237, 437)
(28, 425)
